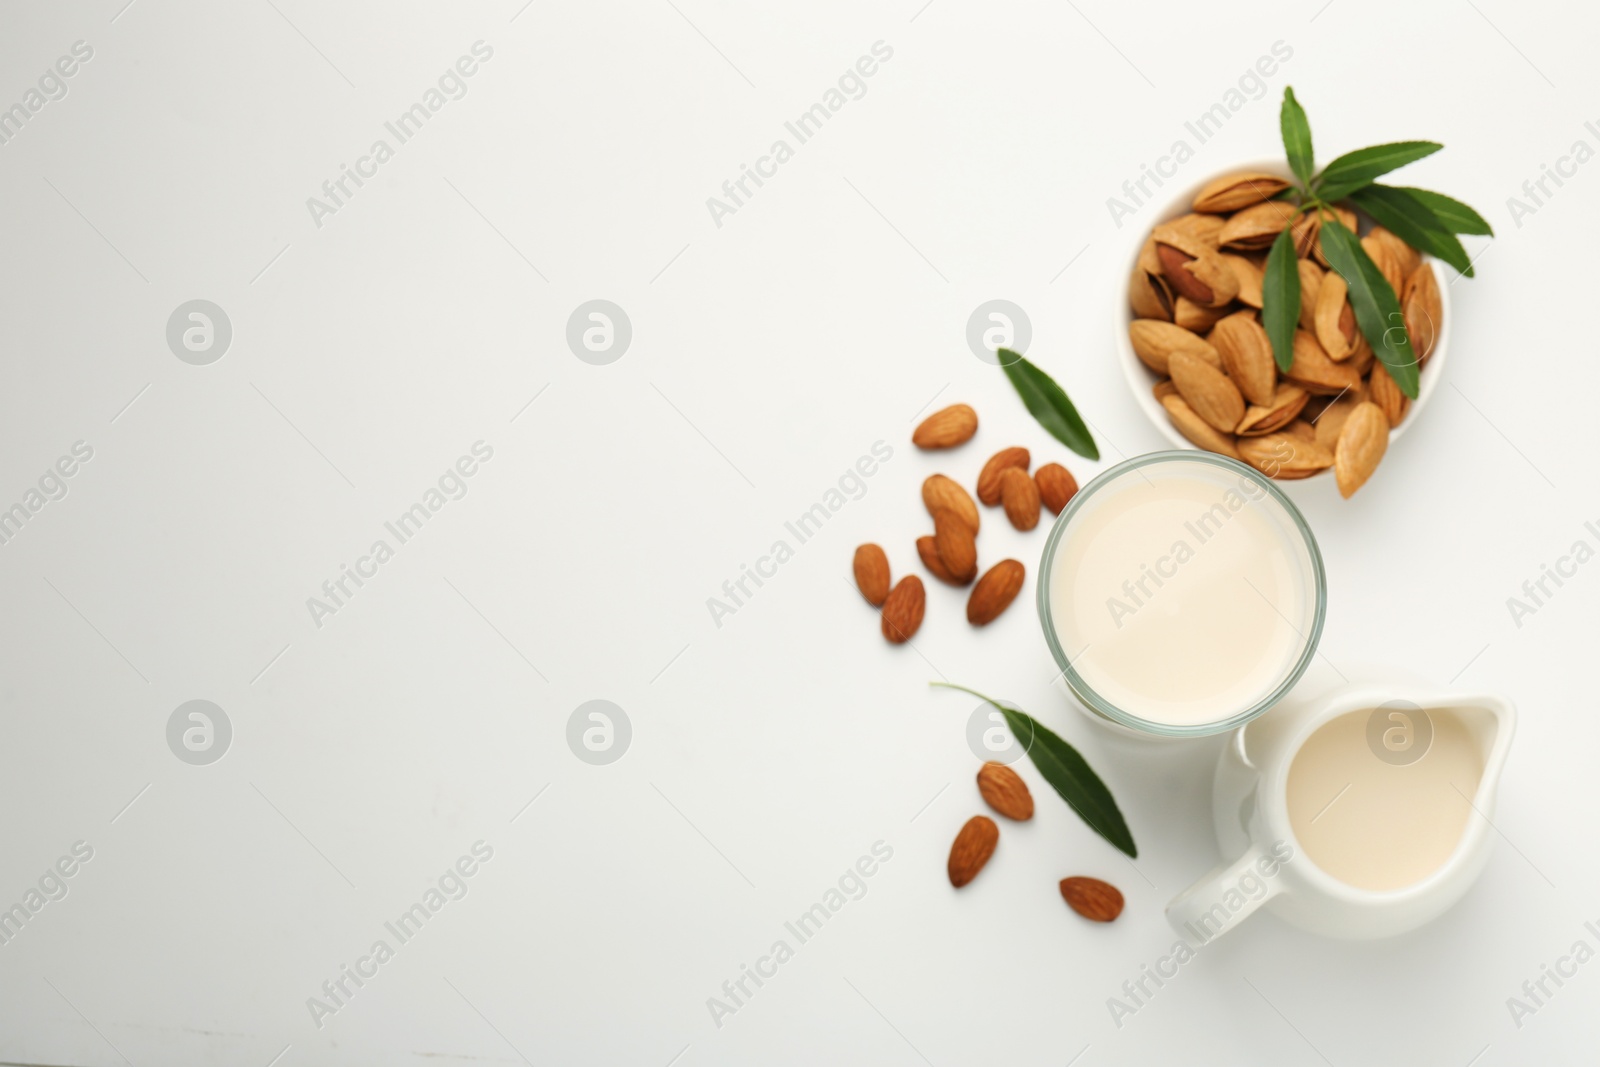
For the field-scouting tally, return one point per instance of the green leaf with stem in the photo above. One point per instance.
(1374, 302)
(1415, 224)
(1455, 215)
(1280, 298)
(1068, 773)
(1353, 170)
(1049, 403)
(1296, 137)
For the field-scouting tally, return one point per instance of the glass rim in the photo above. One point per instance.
(1084, 692)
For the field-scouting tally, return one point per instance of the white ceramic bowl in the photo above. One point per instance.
(1141, 378)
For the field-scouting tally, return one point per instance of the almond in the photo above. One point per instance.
(1192, 316)
(1408, 258)
(1314, 372)
(872, 574)
(1287, 402)
(941, 492)
(1208, 391)
(1095, 900)
(1387, 395)
(928, 549)
(1205, 278)
(946, 427)
(1331, 317)
(1194, 233)
(1005, 791)
(1423, 309)
(1285, 455)
(971, 849)
(957, 548)
(1057, 485)
(1332, 420)
(1246, 355)
(1251, 275)
(1163, 389)
(1154, 342)
(995, 591)
(1020, 496)
(1197, 429)
(1256, 227)
(1361, 446)
(989, 477)
(1234, 191)
(1386, 257)
(1310, 289)
(1148, 295)
(902, 611)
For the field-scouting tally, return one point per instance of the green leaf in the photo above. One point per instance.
(1413, 223)
(1355, 169)
(1296, 137)
(1280, 298)
(1371, 297)
(1453, 213)
(1068, 773)
(1049, 403)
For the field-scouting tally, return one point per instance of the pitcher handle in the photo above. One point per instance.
(1217, 902)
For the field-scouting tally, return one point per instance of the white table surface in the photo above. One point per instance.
(768, 354)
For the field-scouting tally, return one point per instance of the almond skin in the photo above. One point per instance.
(946, 427)
(928, 549)
(1197, 429)
(1361, 445)
(1095, 900)
(971, 849)
(902, 611)
(872, 574)
(1005, 791)
(1057, 486)
(1247, 356)
(957, 548)
(1211, 394)
(995, 591)
(1020, 496)
(989, 477)
(941, 492)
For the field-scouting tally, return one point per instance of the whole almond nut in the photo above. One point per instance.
(1255, 228)
(1234, 191)
(1020, 496)
(1423, 309)
(1154, 342)
(928, 550)
(1330, 316)
(989, 477)
(1287, 402)
(872, 574)
(1387, 395)
(1197, 429)
(1149, 296)
(1408, 258)
(1332, 420)
(1195, 233)
(971, 849)
(941, 492)
(1163, 389)
(1208, 391)
(1195, 317)
(902, 611)
(946, 428)
(1207, 279)
(1005, 791)
(1314, 372)
(1095, 900)
(1057, 485)
(957, 548)
(1251, 275)
(1386, 258)
(995, 591)
(1303, 430)
(1246, 355)
(1285, 455)
(1310, 289)
(1361, 446)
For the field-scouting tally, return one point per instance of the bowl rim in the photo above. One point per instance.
(1141, 378)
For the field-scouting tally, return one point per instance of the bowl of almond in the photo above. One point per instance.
(1194, 343)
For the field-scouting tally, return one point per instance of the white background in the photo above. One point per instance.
(768, 355)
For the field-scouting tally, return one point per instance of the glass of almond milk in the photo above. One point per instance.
(1181, 594)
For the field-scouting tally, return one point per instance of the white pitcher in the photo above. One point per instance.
(1252, 819)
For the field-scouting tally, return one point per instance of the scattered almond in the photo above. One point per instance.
(1005, 791)
(872, 574)
(1056, 484)
(946, 427)
(902, 611)
(1095, 900)
(995, 591)
(989, 477)
(957, 547)
(941, 492)
(928, 550)
(1020, 496)
(971, 849)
